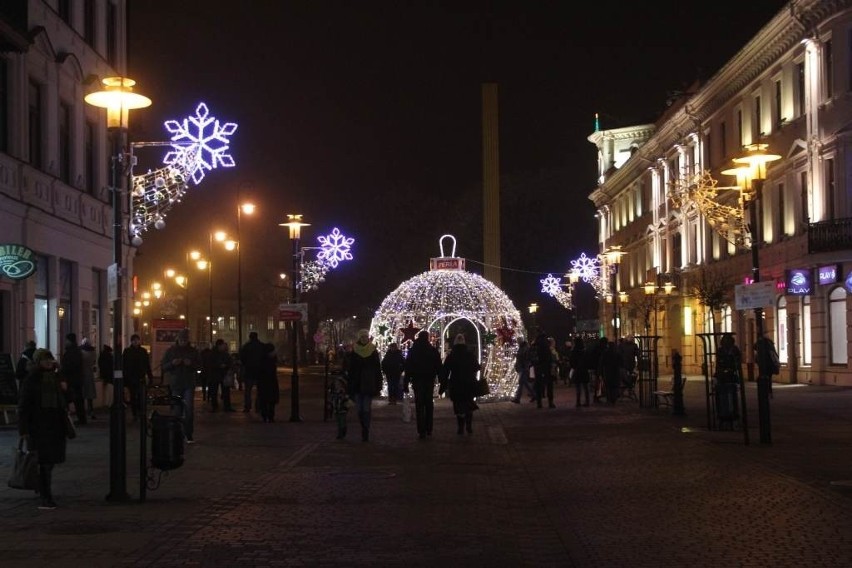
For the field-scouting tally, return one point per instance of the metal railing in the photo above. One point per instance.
(830, 235)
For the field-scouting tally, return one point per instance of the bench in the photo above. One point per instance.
(666, 397)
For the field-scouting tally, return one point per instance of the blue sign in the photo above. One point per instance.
(828, 274)
(848, 283)
(799, 282)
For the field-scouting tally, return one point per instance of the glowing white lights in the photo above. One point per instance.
(334, 248)
(201, 143)
(436, 299)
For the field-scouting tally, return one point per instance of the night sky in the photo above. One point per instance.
(366, 115)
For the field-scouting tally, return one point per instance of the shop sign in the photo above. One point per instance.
(799, 282)
(828, 274)
(848, 283)
(17, 261)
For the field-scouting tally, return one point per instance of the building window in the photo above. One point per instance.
(35, 117)
(708, 144)
(89, 22)
(803, 184)
(95, 318)
(270, 323)
(4, 104)
(111, 35)
(42, 321)
(64, 10)
(781, 212)
(837, 326)
(727, 324)
(778, 101)
(65, 142)
(800, 88)
(829, 189)
(232, 323)
(781, 328)
(723, 142)
(67, 316)
(89, 149)
(740, 132)
(805, 332)
(677, 251)
(282, 324)
(758, 119)
(828, 68)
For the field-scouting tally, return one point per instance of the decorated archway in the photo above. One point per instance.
(444, 301)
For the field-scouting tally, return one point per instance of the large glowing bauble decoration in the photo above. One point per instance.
(444, 295)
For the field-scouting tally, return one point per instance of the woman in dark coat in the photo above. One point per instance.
(42, 412)
(458, 376)
(268, 393)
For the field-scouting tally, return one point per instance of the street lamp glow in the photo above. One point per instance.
(247, 208)
(220, 236)
(195, 255)
(202, 264)
(230, 245)
(295, 224)
(118, 99)
(169, 272)
(180, 280)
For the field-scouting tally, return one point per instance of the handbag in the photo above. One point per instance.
(70, 429)
(228, 380)
(482, 388)
(24, 468)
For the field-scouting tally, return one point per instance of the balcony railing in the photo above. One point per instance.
(829, 236)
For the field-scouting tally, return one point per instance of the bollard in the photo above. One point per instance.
(677, 406)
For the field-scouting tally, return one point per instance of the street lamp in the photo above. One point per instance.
(751, 174)
(613, 258)
(118, 98)
(533, 308)
(295, 224)
(248, 209)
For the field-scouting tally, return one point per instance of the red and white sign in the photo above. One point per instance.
(293, 312)
(446, 263)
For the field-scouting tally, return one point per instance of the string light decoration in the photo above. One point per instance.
(203, 139)
(588, 268)
(447, 293)
(552, 286)
(702, 191)
(334, 248)
(199, 143)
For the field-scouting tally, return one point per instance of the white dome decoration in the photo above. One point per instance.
(445, 294)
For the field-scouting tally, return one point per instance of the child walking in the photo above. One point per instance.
(339, 405)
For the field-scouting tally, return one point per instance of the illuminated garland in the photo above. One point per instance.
(199, 143)
(334, 248)
(433, 300)
(702, 190)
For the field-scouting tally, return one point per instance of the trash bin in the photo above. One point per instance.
(166, 441)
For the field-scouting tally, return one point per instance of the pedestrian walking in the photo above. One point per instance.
(42, 413)
(422, 367)
(252, 359)
(90, 364)
(611, 370)
(579, 365)
(364, 379)
(543, 364)
(728, 376)
(22, 368)
(136, 366)
(339, 404)
(393, 364)
(522, 367)
(268, 393)
(458, 377)
(180, 365)
(215, 363)
(71, 369)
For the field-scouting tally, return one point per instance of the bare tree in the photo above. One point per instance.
(713, 289)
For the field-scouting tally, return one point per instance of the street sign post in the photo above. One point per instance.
(293, 312)
(757, 295)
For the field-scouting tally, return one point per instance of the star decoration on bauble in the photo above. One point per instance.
(409, 332)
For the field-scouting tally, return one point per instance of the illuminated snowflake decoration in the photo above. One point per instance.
(334, 248)
(203, 138)
(587, 268)
(551, 285)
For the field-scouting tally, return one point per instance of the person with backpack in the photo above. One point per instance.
(766, 357)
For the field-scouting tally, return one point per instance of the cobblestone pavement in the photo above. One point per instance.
(603, 486)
